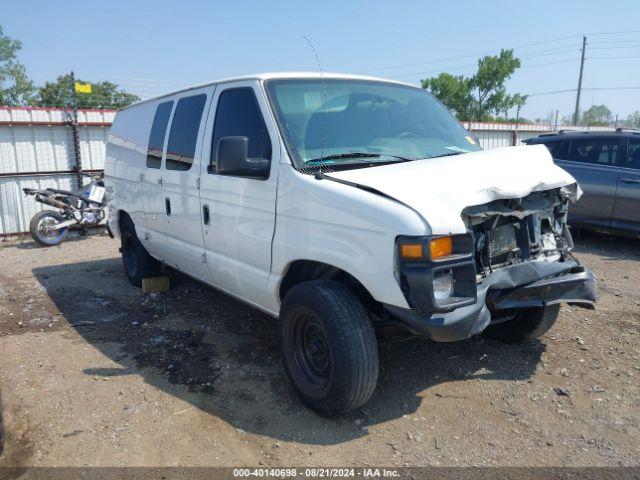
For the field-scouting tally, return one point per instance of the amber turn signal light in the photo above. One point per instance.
(411, 251)
(440, 247)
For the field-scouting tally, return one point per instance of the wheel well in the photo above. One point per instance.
(306, 270)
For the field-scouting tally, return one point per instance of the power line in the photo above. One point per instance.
(615, 48)
(472, 65)
(147, 80)
(590, 89)
(613, 58)
(615, 42)
(569, 60)
(553, 92)
(612, 33)
(517, 47)
(474, 55)
(613, 88)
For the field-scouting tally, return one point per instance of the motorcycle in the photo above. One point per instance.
(85, 208)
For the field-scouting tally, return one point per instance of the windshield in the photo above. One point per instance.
(355, 122)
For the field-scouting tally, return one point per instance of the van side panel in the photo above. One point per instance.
(342, 226)
(125, 164)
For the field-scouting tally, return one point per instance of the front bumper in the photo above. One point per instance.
(530, 284)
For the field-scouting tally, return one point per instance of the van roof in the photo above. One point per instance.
(273, 76)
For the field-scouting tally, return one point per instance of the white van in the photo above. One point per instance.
(345, 207)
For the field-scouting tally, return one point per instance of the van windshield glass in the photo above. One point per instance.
(363, 122)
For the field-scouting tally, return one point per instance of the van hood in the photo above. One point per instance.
(440, 188)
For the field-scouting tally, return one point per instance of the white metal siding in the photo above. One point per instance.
(16, 210)
(40, 140)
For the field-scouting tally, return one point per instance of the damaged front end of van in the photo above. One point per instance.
(515, 257)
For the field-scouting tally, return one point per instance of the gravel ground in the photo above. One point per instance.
(95, 373)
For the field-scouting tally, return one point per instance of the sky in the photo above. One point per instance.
(154, 47)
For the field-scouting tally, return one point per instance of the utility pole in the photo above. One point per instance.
(74, 130)
(555, 125)
(577, 112)
(514, 134)
(616, 121)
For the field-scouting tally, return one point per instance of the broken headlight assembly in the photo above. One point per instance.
(437, 273)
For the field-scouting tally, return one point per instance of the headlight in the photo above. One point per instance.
(436, 273)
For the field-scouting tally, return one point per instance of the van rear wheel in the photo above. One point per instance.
(137, 262)
(527, 323)
(329, 347)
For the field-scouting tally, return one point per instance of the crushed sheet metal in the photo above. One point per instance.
(439, 189)
(532, 204)
(470, 320)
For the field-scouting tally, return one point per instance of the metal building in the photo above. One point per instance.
(36, 150)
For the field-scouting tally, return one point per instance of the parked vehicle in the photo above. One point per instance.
(607, 168)
(343, 205)
(85, 208)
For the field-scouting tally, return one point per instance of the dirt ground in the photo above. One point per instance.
(95, 373)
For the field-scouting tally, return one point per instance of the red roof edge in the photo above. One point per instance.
(58, 109)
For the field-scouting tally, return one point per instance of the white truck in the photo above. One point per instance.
(346, 207)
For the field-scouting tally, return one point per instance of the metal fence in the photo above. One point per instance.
(36, 150)
(496, 134)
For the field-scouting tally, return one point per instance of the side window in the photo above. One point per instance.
(561, 150)
(634, 154)
(597, 151)
(156, 137)
(238, 114)
(181, 146)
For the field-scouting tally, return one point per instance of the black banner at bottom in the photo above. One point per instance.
(228, 473)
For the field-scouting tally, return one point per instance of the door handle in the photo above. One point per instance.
(160, 181)
(630, 180)
(167, 205)
(205, 214)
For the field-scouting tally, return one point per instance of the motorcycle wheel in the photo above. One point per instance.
(40, 228)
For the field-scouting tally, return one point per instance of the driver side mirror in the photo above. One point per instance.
(232, 158)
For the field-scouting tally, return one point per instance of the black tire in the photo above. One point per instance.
(39, 232)
(137, 262)
(528, 323)
(329, 347)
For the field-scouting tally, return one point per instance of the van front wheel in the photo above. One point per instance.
(329, 347)
(526, 324)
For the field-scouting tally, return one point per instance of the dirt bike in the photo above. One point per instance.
(85, 208)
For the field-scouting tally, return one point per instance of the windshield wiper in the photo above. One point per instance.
(448, 154)
(347, 155)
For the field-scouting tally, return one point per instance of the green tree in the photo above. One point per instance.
(597, 115)
(483, 95)
(15, 86)
(103, 95)
(488, 82)
(633, 120)
(453, 91)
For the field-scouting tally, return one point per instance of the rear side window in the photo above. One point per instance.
(158, 131)
(596, 151)
(634, 154)
(181, 146)
(238, 114)
(561, 150)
